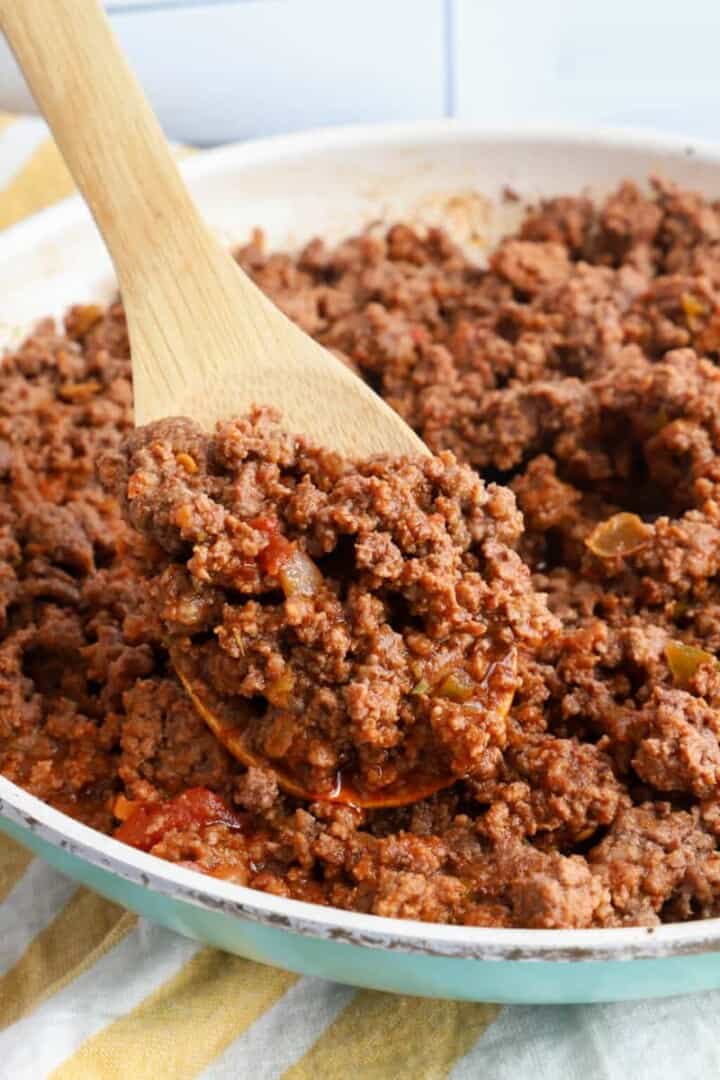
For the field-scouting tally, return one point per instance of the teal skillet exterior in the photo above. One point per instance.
(516, 981)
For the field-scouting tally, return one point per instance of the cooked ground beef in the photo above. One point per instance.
(578, 375)
(364, 618)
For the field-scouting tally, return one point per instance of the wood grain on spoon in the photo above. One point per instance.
(206, 342)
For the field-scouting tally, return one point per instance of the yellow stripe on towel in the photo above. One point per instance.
(14, 861)
(182, 1027)
(86, 928)
(40, 182)
(406, 1038)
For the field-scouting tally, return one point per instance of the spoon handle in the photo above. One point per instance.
(110, 141)
(181, 289)
(206, 342)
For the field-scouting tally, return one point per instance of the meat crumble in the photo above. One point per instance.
(564, 538)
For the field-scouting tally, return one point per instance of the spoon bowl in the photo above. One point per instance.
(231, 721)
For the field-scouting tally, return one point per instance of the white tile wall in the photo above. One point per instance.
(227, 69)
(217, 70)
(646, 63)
(274, 65)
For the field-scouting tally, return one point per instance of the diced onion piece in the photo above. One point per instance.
(684, 660)
(82, 318)
(299, 576)
(279, 690)
(457, 686)
(79, 391)
(622, 534)
(187, 462)
(421, 687)
(235, 872)
(693, 308)
(280, 737)
(123, 807)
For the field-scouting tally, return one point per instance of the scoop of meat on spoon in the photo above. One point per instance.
(232, 724)
(206, 343)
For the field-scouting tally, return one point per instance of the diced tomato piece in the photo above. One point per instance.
(149, 822)
(273, 557)
(457, 686)
(278, 549)
(123, 807)
(265, 523)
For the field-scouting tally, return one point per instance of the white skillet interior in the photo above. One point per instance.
(332, 182)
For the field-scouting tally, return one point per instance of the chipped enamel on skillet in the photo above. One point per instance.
(340, 180)
(370, 931)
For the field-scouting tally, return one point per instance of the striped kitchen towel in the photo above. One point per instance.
(90, 992)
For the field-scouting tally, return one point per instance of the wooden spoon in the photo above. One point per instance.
(206, 343)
